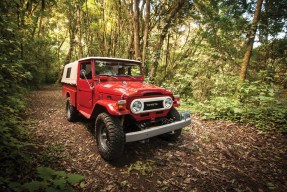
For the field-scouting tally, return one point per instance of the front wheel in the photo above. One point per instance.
(174, 116)
(110, 137)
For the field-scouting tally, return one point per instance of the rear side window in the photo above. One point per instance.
(68, 72)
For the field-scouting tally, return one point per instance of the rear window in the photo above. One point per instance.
(68, 72)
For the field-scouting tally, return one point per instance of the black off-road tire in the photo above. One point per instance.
(71, 111)
(110, 137)
(172, 136)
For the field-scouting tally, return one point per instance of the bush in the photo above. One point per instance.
(256, 104)
(49, 180)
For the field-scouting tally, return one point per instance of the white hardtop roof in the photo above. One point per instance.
(108, 58)
(70, 77)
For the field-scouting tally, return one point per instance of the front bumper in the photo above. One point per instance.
(158, 130)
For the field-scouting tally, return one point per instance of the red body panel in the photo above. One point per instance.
(112, 107)
(130, 88)
(70, 91)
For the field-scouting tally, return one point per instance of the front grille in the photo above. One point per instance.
(153, 105)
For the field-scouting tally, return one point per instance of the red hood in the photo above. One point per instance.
(130, 88)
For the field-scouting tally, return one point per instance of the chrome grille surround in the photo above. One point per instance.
(151, 103)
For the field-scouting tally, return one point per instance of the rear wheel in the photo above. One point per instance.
(174, 116)
(71, 111)
(110, 137)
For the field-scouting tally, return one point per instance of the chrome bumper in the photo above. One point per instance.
(158, 130)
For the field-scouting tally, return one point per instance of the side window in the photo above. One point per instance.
(88, 69)
(68, 72)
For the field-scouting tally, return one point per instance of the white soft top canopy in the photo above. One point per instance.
(70, 73)
(71, 69)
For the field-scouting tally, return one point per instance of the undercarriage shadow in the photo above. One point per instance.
(136, 151)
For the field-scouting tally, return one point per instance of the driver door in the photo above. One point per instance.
(85, 92)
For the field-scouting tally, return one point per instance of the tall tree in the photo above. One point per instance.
(168, 20)
(72, 26)
(146, 31)
(136, 29)
(251, 37)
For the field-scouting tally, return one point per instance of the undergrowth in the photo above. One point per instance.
(256, 103)
(19, 155)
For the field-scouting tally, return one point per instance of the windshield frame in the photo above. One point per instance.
(112, 63)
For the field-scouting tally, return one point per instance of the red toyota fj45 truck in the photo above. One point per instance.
(113, 92)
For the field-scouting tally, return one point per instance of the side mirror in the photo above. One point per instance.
(83, 73)
(83, 76)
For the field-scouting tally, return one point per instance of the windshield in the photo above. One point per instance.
(117, 68)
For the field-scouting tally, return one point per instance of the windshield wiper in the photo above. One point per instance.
(128, 76)
(108, 75)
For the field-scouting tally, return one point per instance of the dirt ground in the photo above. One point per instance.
(209, 156)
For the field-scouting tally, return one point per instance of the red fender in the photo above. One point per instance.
(112, 107)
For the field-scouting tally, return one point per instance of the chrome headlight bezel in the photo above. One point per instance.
(136, 106)
(168, 103)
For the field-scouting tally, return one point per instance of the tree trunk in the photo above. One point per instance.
(105, 30)
(178, 5)
(266, 32)
(136, 30)
(146, 32)
(72, 32)
(79, 23)
(246, 59)
(130, 47)
(129, 13)
(41, 26)
(22, 25)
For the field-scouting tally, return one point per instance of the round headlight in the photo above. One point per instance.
(136, 106)
(168, 102)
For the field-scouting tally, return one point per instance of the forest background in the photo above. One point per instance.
(199, 49)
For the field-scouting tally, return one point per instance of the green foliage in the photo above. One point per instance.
(49, 180)
(142, 168)
(40, 62)
(24, 59)
(205, 68)
(270, 60)
(13, 77)
(257, 105)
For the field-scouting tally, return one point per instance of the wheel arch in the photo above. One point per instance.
(108, 106)
(72, 95)
(98, 109)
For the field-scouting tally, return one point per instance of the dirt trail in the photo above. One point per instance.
(210, 155)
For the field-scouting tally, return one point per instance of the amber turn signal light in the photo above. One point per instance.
(176, 99)
(121, 104)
